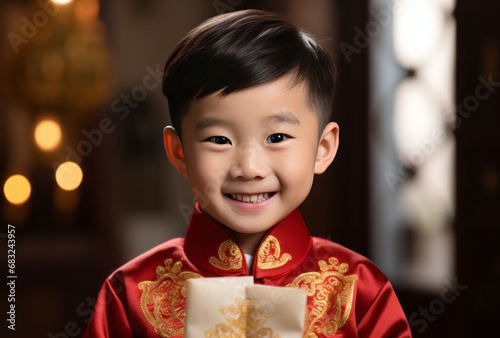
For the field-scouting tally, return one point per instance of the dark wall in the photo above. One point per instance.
(478, 168)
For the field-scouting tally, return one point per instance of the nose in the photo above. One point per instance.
(249, 163)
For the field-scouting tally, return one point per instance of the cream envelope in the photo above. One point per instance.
(235, 307)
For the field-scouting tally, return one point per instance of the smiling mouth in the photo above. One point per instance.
(256, 198)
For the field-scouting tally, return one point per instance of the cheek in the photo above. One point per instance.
(202, 179)
(297, 168)
(301, 159)
(205, 179)
(199, 166)
(296, 171)
(204, 187)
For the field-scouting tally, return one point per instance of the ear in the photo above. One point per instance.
(327, 147)
(173, 147)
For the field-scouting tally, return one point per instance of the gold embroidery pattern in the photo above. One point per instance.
(230, 257)
(163, 301)
(332, 294)
(245, 320)
(270, 256)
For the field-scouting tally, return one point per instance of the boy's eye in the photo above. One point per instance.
(276, 138)
(218, 140)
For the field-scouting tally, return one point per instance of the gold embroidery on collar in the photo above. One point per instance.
(230, 257)
(332, 294)
(270, 256)
(246, 319)
(163, 301)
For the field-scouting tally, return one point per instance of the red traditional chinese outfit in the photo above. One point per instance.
(348, 296)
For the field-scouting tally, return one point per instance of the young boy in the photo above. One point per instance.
(250, 98)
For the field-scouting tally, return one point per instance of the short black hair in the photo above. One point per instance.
(239, 50)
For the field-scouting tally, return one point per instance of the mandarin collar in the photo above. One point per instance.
(210, 246)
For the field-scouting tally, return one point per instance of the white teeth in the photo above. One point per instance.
(250, 198)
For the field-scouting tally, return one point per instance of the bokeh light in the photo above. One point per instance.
(62, 2)
(69, 176)
(87, 10)
(416, 119)
(47, 135)
(418, 25)
(17, 189)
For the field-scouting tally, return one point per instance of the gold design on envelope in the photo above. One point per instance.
(330, 295)
(243, 320)
(230, 257)
(270, 256)
(163, 301)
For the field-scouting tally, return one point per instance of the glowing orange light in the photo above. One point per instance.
(62, 2)
(69, 176)
(47, 135)
(17, 189)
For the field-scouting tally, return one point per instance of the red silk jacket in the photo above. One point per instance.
(348, 296)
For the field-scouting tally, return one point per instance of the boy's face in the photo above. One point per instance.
(250, 157)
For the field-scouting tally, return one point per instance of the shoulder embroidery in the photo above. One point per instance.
(245, 319)
(163, 301)
(269, 255)
(332, 294)
(230, 257)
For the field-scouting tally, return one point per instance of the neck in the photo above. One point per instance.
(248, 242)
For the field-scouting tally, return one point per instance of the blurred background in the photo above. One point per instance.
(415, 186)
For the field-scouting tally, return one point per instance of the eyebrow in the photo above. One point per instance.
(284, 117)
(208, 122)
